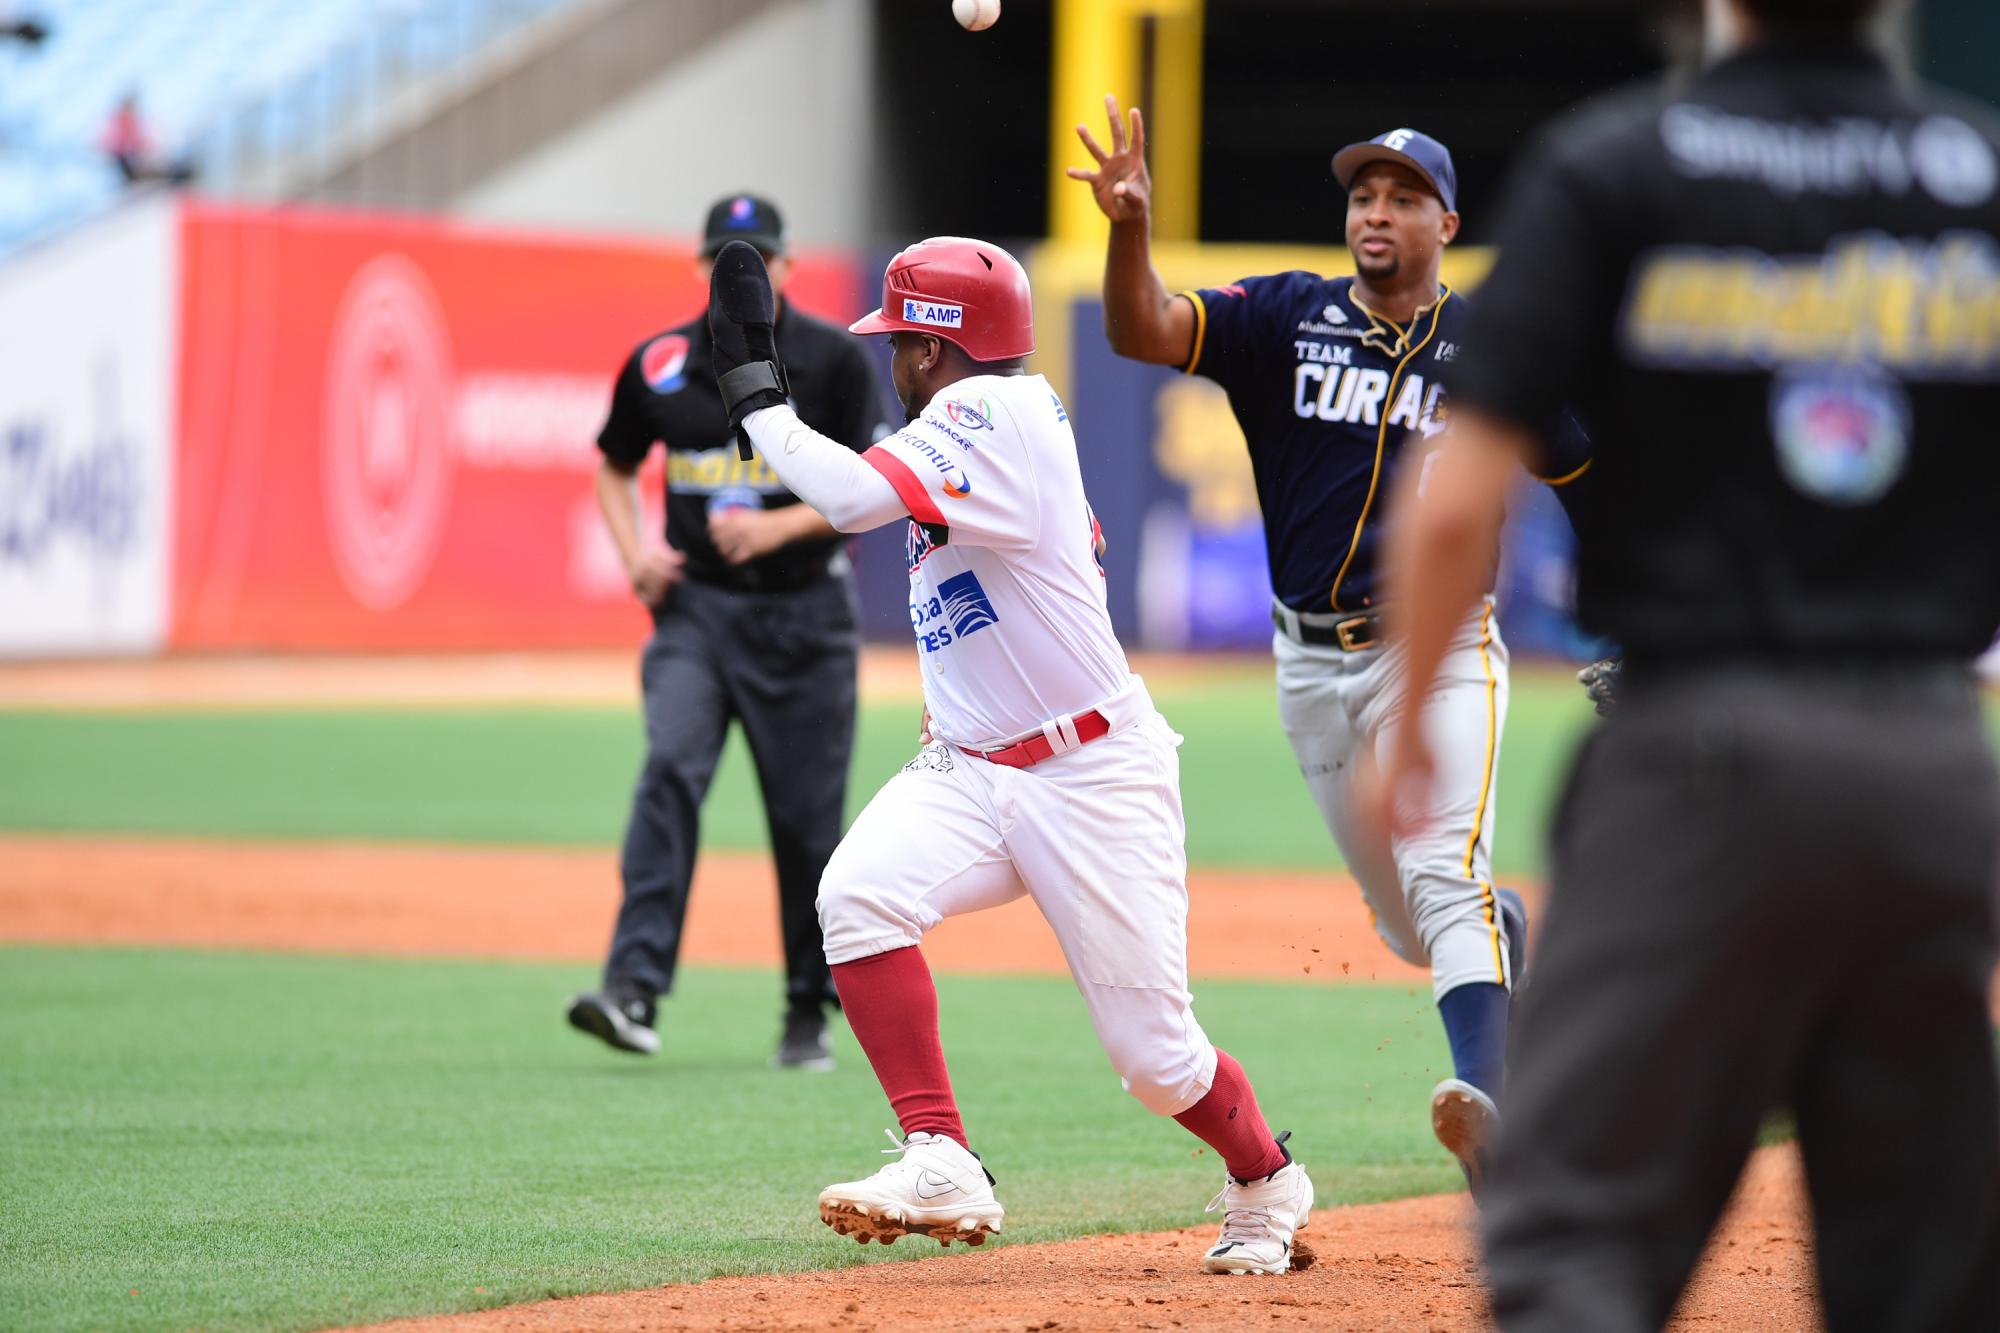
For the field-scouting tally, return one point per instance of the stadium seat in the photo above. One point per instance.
(197, 65)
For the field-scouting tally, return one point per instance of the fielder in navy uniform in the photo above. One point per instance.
(1332, 379)
(753, 622)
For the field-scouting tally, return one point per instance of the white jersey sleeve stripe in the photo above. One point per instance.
(909, 487)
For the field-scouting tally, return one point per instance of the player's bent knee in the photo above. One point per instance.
(1402, 945)
(1161, 1097)
(858, 921)
(1443, 901)
(1167, 1082)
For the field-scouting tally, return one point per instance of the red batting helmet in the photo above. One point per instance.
(967, 292)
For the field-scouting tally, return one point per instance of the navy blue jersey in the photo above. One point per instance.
(1328, 394)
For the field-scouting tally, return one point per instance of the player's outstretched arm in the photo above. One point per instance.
(1140, 318)
(826, 474)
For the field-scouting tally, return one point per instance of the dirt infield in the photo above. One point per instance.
(591, 678)
(428, 901)
(1381, 1268)
(1405, 1265)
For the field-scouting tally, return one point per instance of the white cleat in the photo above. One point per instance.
(1465, 1120)
(1261, 1222)
(936, 1189)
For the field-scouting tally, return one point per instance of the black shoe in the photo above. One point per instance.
(622, 1020)
(805, 1044)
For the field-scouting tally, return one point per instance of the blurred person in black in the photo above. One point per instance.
(128, 142)
(28, 31)
(1772, 293)
(754, 622)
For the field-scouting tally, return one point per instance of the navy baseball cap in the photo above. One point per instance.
(1410, 148)
(743, 217)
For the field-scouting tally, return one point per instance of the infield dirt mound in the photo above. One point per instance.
(1382, 1268)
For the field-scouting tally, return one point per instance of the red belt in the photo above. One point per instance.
(1090, 726)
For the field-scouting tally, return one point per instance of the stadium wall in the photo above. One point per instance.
(386, 425)
(86, 438)
(304, 429)
(777, 106)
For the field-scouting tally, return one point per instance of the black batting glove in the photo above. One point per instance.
(742, 315)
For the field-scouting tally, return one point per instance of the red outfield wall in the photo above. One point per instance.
(386, 426)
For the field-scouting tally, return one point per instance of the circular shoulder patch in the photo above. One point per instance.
(1842, 432)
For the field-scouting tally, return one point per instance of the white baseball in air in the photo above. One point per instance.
(975, 15)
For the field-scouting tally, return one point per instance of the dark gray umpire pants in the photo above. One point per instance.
(782, 664)
(1768, 891)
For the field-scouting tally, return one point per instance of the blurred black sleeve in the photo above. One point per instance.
(1545, 313)
(857, 416)
(627, 438)
(1564, 466)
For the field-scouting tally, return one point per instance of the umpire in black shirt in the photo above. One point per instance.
(753, 620)
(1775, 297)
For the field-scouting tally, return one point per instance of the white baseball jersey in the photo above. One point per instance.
(1007, 598)
(1007, 603)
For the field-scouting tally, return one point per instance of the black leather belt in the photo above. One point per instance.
(1351, 635)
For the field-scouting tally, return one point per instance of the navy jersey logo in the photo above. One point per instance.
(1357, 395)
(966, 604)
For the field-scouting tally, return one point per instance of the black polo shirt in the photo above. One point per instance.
(666, 394)
(1774, 294)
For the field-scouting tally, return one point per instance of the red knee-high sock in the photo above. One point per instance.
(891, 1004)
(1228, 1120)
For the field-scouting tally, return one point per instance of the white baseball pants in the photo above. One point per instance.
(1431, 896)
(1095, 836)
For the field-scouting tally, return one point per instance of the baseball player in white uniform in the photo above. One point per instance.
(1047, 772)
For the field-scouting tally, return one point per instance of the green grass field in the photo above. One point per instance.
(226, 1141)
(240, 1141)
(252, 1141)
(563, 775)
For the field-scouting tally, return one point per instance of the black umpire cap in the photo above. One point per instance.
(744, 217)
